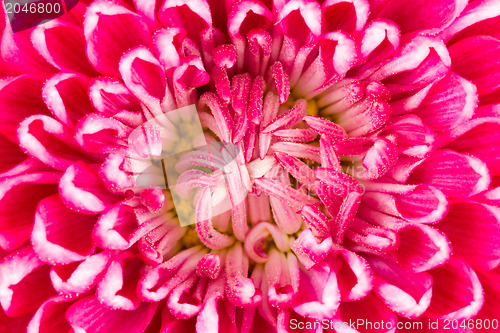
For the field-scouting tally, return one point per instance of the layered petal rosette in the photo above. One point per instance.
(349, 171)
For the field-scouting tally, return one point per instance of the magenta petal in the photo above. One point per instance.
(456, 175)
(348, 16)
(10, 154)
(422, 15)
(49, 141)
(66, 96)
(27, 284)
(90, 316)
(474, 58)
(19, 54)
(457, 291)
(478, 137)
(300, 20)
(50, 317)
(474, 231)
(118, 286)
(82, 190)
(19, 98)
(369, 309)
(406, 293)
(354, 275)
(421, 247)
(99, 134)
(317, 302)
(143, 75)
(194, 16)
(106, 44)
(110, 96)
(115, 227)
(61, 235)
(63, 46)
(449, 102)
(19, 198)
(79, 277)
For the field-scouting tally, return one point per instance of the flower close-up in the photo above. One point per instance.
(251, 166)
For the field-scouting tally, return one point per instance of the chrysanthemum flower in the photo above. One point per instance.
(362, 185)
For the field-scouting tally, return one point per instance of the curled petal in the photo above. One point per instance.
(348, 16)
(79, 277)
(61, 236)
(82, 190)
(118, 286)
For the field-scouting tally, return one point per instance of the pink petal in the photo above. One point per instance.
(61, 235)
(421, 61)
(288, 119)
(348, 16)
(240, 88)
(26, 285)
(457, 291)
(476, 19)
(90, 316)
(19, 98)
(167, 45)
(421, 247)
(414, 138)
(19, 54)
(421, 15)
(406, 293)
(240, 290)
(354, 275)
(118, 286)
(456, 175)
(424, 204)
(280, 191)
(449, 103)
(246, 15)
(310, 250)
(324, 126)
(209, 266)
(474, 59)
(10, 154)
(379, 158)
(221, 114)
(63, 46)
(115, 227)
(110, 96)
(66, 96)
(369, 309)
(478, 137)
(49, 141)
(113, 174)
(82, 190)
(105, 44)
(79, 277)
(318, 303)
(474, 231)
(194, 16)
(50, 316)
(157, 283)
(19, 198)
(299, 19)
(143, 75)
